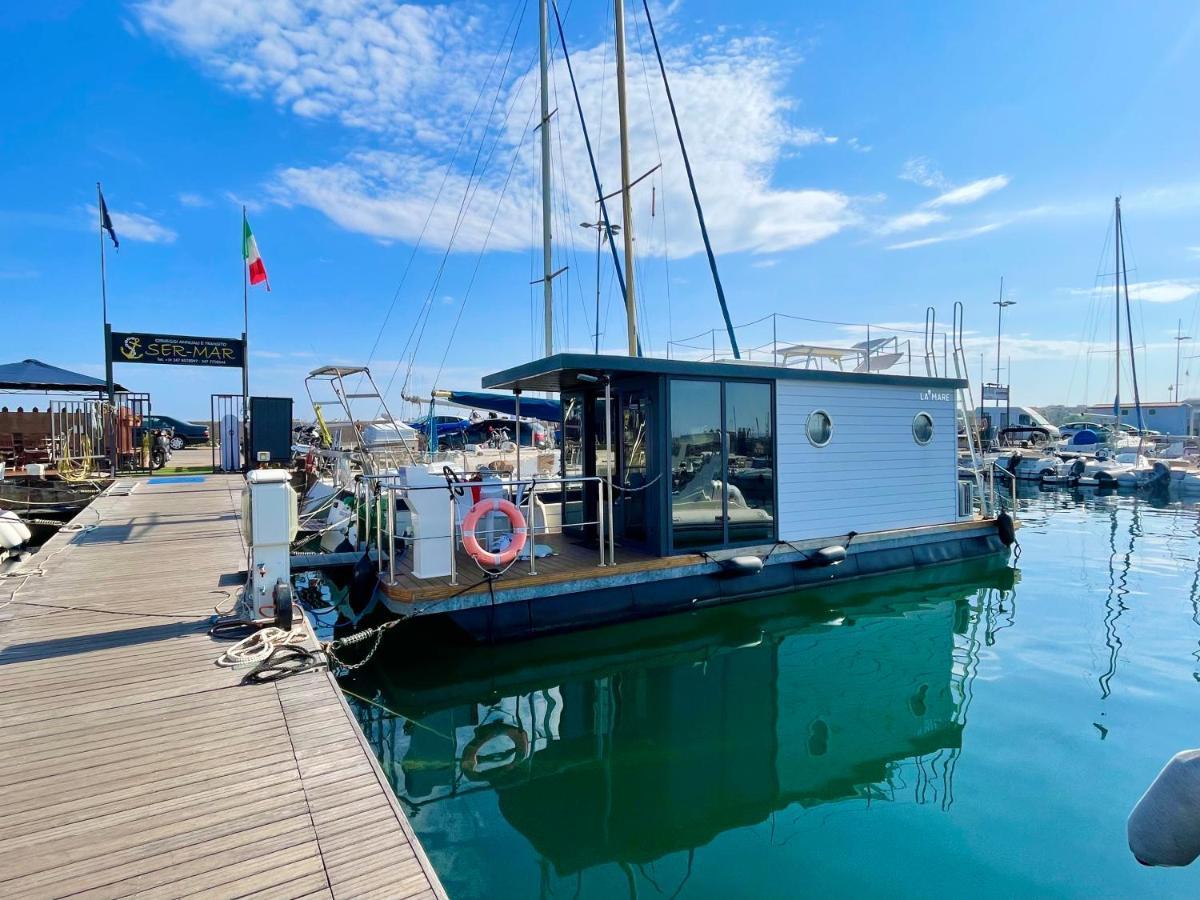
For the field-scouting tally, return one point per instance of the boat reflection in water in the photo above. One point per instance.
(625, 744)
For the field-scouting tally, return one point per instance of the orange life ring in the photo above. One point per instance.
(483, 734)
(471, 543)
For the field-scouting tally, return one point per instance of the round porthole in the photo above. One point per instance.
(922, 428)
(819, 428)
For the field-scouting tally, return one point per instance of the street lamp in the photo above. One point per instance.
(601, 237)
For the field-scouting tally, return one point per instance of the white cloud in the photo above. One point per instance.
(414, 74)
(135, 227)
(969, 193)
(371, 64)
(765, 263)
(909, 221)
(921, 170)
(1165, 291)
(250, 204)
(959, 235)
(194, 200)
(1194, 251)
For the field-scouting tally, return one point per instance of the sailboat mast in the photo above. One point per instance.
(1117, 282)
(1124, 276)
(547, 212)
(626, 200)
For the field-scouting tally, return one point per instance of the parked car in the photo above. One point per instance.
(183, 434)
(1070, 429)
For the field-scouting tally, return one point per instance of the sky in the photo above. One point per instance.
(856, 164)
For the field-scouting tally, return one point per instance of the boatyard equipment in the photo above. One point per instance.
(270, 519)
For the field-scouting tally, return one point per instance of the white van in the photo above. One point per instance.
(1017, 417)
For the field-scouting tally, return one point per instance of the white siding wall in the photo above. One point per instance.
(872, 476)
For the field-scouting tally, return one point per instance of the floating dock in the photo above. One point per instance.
(132, 764)
(571, 588)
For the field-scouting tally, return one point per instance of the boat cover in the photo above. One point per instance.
(531, 407)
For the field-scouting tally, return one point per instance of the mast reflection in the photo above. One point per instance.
(625, 744)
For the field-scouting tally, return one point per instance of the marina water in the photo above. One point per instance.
(974, 727)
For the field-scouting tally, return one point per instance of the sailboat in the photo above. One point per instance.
(1117, 465)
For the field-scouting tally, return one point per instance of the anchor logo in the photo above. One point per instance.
(131, 348)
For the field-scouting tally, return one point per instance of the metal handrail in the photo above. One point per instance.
(385, 483)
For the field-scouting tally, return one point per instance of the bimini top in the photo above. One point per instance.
(569, 371)
(35, 375)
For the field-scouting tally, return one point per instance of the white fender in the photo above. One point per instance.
(1164, 827)
(13, 532)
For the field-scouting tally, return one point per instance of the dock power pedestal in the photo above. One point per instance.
(270, 519)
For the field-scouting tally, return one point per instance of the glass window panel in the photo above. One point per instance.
(696, 508)
(922, 428)
(819, 428)
(751, 473)
(635, 415)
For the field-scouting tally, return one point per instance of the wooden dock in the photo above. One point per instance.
(133, 765)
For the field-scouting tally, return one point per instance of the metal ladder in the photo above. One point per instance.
(966, 418)
(372, 461)
(931, 368)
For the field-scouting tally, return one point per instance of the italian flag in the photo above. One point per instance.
(258, 272)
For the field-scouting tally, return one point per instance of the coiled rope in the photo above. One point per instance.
(250, 651)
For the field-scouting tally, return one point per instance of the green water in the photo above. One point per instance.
(969, 730)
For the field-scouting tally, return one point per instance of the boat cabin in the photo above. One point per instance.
(713, 455)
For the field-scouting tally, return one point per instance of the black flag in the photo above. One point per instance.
(106, 222)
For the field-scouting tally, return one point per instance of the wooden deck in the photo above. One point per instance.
(133, 765)
(571, 561)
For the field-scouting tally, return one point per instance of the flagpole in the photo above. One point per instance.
(100, 232)
(245, 335)
(111, 431)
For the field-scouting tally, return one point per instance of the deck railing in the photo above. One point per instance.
(790, 341)
(377, 496)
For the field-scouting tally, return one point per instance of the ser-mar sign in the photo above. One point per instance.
(177, 350)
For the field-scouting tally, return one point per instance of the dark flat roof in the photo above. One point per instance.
(560, 372)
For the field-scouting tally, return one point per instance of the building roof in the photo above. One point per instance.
(35, 375)
(1128, 404)
(562, 371)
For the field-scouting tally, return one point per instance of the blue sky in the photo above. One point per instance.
(856, 166)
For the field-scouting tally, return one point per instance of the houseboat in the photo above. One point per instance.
(691, 483)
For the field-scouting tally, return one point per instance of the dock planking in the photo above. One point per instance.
(135, 766)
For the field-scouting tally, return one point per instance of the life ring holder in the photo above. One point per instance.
(484, 558)
(486, 732)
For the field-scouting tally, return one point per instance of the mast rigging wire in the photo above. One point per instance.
(474, 179)
(483, 250)
(712, 260)
(591, 157)
(437, 197)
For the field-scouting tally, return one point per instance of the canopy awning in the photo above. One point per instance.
(35, 375)
(531, 407)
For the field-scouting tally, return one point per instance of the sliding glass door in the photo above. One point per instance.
(722, 458)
